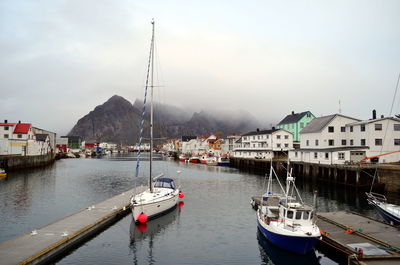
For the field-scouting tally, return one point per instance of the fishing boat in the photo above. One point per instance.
(223, 161)
(213, 161)
(3, 173)
(183, 157)
(162, 194)
(389, 212)
(286, 222)
(194, 159)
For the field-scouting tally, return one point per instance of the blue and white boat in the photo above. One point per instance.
(286, 222)
(389, 212)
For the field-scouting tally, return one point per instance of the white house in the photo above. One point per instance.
(263, 144)
(378, 136)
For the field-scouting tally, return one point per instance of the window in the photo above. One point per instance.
(362, 141)
(305, 215)
(295, 154)
(19, 135)
(326, 155)
(301, 125)
(331, 129)
(286, 136)
(362, 128)
(315, 155)
(6, 128)
(6, 136)
(308, 115)
(289, 214)
(258, 137)
(254, 145)
(396, 141)
(343, 129)
(278, 145)
(396, 127)
(344, 142)
(316, 143)
(307, 142)
(378, 141)
(331, 142)
(298, 215)
(351, 128)
(254, 137)
(286, 145)
(267, 136)
(341, 156)
(351, 142)
(278, 137)
(378, 126)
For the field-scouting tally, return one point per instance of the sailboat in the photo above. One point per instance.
(162, 194)
(389, 212)
(286, 222)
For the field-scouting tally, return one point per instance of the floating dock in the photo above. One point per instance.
(50, 242)
(356, 238)
(363, 239)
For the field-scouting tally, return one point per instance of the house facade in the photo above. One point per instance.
(263, 144)
(295, 122)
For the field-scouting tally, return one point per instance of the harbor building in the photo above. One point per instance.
(295, 122)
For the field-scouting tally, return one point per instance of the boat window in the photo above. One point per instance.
(306, 215)
(298, 215)
(289, 214)
(164, 184)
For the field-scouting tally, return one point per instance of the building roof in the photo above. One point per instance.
(317, 124)
(41, 137)
(372, 120)
(258, 132)
(293, 118)
(22, 128)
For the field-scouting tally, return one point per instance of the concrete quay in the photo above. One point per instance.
(50, 242)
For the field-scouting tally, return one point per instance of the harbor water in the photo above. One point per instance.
(215, 224)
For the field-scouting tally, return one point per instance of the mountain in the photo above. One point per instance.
(117, 121)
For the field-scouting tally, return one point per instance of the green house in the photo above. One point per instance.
(295, 122)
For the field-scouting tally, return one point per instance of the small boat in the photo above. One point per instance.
(205, 157)
(3, 173)
(194, 159)
(285, 222)
(212, 161)
(183, 157)
(389, 212)
(223, 161)
(162, 194)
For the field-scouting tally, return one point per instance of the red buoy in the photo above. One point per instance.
(181, 195)
(141, 227)
(142, 218)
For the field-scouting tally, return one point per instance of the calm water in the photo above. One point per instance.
(216, 224)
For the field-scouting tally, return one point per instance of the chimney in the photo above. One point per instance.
(273, 128)
(19, 121)
(373, 114)
(5, 121)
(258, 129)
(292, 112)
(382, 116)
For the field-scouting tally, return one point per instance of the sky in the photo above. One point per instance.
(62, 58)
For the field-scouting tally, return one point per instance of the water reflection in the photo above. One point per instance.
(143, 236)
(271, 254)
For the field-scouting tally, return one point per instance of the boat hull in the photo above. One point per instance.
(182, 159)
(223, 164)
(154, 209)
(297, 244)
(194, 160)
(3, 175)
(390, 218)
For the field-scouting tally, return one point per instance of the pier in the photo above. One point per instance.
(45, 244)
(349, 175)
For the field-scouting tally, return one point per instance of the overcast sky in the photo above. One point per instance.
(61, 58)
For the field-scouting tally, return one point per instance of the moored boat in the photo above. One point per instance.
(389, 212)
(183, 157)
(223, 161)
(212, 161)
(194, 159)
(3, 173)
(285, 222)
(162, 194)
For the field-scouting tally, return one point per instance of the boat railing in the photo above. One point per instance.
(376, 196)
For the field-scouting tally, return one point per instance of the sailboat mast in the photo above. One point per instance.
(151, 108)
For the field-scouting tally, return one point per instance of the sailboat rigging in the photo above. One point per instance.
(162, 194)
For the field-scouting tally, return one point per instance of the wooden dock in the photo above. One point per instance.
(50, 242)
(348, 232)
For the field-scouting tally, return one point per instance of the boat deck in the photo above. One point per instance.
(346, 231)
(51, 241)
